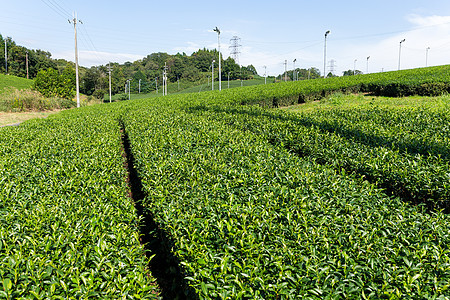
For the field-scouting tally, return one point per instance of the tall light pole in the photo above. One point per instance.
(325, 54)
(293, 72)
(228, 79)
(400, 53)
(129, 89)
(212, 75)
(367, 66)
(426, 57)
(109, 71)
(165, 80)
(27, 63)
(220, 70)
(242, 80)
(285, 70)
(265, 74)
(354, 67)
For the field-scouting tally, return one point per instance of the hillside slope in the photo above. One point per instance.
(13, 81)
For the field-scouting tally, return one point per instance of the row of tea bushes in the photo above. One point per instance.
(67, 227)
(250, 220)
(353, 148)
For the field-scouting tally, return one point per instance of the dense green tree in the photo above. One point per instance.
(89, 81)
(231, 67)
(250, 70)
(352, 72)
(303, 74)
(203, 59)
(52, 84)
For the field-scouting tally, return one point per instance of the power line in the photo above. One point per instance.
(56, 9)
(91, 45)
(56, 4)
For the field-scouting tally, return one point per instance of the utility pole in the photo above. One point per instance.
(6, 58)
(285, 70)
(325, 55)
(26, 55)
(156, 84)
(109, 71)
(354, 67)
(76, 56)
(265, 74)
(139, 86)
(228, 79)
(220, 69)
(426, 58)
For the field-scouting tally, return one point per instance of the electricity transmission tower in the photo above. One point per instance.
(235, 49)
(332, 66)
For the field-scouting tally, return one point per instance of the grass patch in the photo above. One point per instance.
(354, 101)
(7, 81)
(7, 118)
(14, 100)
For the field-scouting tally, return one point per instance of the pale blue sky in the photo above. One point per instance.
(270, 31)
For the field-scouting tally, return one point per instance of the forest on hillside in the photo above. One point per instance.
(145, 73)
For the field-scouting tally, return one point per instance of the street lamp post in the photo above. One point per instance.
(293, 73)
(399, 53)
(212, 74)
(228, 79)
(265, 74)
(129, 89)
(220, 71)
(354, 67)
(426, 58)
(325, 54)
(367, 67)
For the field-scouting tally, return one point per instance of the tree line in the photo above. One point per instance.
(194, 68)
(17, 60)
